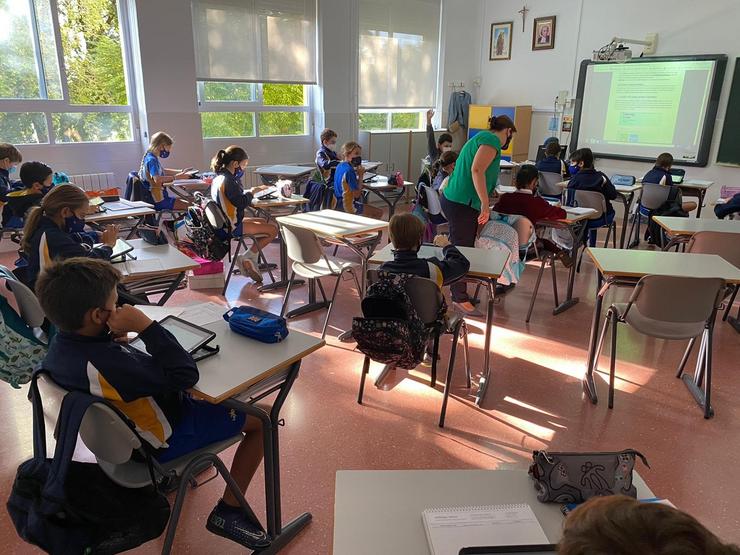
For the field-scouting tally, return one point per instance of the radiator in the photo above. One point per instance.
(94, 181)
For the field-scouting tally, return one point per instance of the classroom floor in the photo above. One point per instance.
(535, 401)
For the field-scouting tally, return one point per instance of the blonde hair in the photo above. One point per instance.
(349, 147)
(62, 196)
(158, 140)
(406, 232)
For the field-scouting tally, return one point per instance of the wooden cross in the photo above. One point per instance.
(523, 11)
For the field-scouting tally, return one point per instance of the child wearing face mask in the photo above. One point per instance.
(10, 157)
(35, 182)
(442, 169)
(326, 157)
(348, 183)
(49, 233)
(155, 178)
(436, 147)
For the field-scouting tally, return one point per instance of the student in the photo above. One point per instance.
(326, 157)
(436, 147)
(443, 167)
(155, 178)
(36, 180)
(620, 525)
(524, 202)
(552, 163)
(732, 206)
(227, 190)
(79, 296)
(661, 174)
(348, 183)
(10, 157)
(586, 178)
(49, 231)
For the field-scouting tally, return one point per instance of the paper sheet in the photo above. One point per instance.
(203, 314)
(143, 266)
(158, 313)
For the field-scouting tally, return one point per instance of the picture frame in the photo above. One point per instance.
(500, 46)
(543, 33)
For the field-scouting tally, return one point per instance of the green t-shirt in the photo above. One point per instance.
(460, 186)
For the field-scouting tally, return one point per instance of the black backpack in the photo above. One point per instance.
(208, 229)
(68, 507)
(390, 331)
(671, 207)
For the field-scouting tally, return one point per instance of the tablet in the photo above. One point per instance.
(539, 549)
(189, 336)
(121, 248)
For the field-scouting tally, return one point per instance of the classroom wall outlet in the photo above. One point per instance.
(650, 49)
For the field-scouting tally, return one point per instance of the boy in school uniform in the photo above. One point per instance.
(586, 178)
(348, 184)
(79, 296)
(661, 174)
(36, 178)
(436, 147)
(326, 157)
(10, 157)
(552, 163)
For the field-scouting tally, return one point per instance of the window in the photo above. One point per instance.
(231, 110)
(373, 120)
(64, 77)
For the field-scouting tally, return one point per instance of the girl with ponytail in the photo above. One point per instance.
(155, 178)
(228, 192)
(49, 231)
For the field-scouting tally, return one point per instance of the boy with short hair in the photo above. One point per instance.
(36, 178)
(551, 163)
(10, 157)
(79, 296)
(326, 157)
(661, 174)
(435, 147)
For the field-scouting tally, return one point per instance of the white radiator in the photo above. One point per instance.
(94, 181)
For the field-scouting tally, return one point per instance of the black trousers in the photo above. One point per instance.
(463, 220)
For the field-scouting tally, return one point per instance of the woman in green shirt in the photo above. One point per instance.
(465, 199)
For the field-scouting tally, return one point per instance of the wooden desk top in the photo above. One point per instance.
(689, 226)
(279, 202)
(284, 170)
(636, 264)
(171, 261)
(621, 189)
(483, 262)
(110, 215)
(333, 223)
(243, 362)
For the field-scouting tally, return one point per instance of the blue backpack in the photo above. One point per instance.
(257, 324)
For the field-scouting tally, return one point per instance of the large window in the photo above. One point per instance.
(62, 72)
(381, 120)
(230, 110)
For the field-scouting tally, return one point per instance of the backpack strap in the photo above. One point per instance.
(39, 426)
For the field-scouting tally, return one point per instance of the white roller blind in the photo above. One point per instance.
(399, 46)
(259, 41)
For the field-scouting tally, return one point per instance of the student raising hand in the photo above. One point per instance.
(127, 319)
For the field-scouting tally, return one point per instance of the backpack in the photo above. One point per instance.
(315, 193)
(390, 331)
(20, 351)
(671, 207)
(208, 229)
(65, 506)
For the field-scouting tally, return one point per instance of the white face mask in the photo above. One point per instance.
(446, 148)
(332, 146)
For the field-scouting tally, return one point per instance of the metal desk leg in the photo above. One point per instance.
(589, 385)
(701, 195)
(486, 377)
(385, 200)
(627, 201)
(346, 336)
(172, 288)
(312, 304)
(283, 281)
(703, 372)
(135, 228)
(571, 301)
(281, 535)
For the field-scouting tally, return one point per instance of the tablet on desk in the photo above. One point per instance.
(121, 248)
(539, 549)
(191, 337)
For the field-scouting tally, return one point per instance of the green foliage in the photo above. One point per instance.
(228, 92)
(282, 123)
(371, 121)
(283, 95)
(405, 120)
(23, 128)
(85, 127)
(227, 124)
(17, 60)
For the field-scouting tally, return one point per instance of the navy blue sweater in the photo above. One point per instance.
(146, 388)
(659, 176)
(451, 268)
(592, 180)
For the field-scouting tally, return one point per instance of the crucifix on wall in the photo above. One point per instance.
(523, 11)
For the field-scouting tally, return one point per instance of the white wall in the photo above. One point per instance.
(683, 27)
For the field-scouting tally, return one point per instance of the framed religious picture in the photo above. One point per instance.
(500, 48)
(543, 33)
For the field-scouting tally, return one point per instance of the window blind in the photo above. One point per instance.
(399, 48)
(258, 41)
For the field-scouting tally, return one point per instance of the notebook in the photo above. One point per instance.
(449, 529)
(577, 210)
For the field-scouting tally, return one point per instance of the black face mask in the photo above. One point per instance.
(508, 141)
(356, 161)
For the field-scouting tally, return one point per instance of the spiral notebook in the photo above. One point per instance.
(449, 529)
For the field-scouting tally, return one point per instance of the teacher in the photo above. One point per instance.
(465, 199)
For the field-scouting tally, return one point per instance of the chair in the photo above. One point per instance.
(652, 197)
(427, 300)
(113, 440)
(597, 201)
(653, 310)
(545, 257)
(310, 262)
(28, 305)
(722, 244)
(548, 187)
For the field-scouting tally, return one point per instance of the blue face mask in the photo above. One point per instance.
(73, 224)
(164, 153)
(12, 169)
(239, 173)
(573, 169)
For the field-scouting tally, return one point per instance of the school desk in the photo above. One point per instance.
(696, 188)
(243, 372)
(186, 188)
(682, 229)
(625, 267)
(152, 270)
(485, 268)
(389, 194)
(297, 174)
(379, 511)
(138, 212)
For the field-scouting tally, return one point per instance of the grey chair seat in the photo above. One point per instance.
(658, 328)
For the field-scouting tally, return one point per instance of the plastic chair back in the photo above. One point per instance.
(725, 245)
(548, 184)
(28, 304)
(653, 195)
(591, 199)
(425, 296)
(302, 244)
(677, 299)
